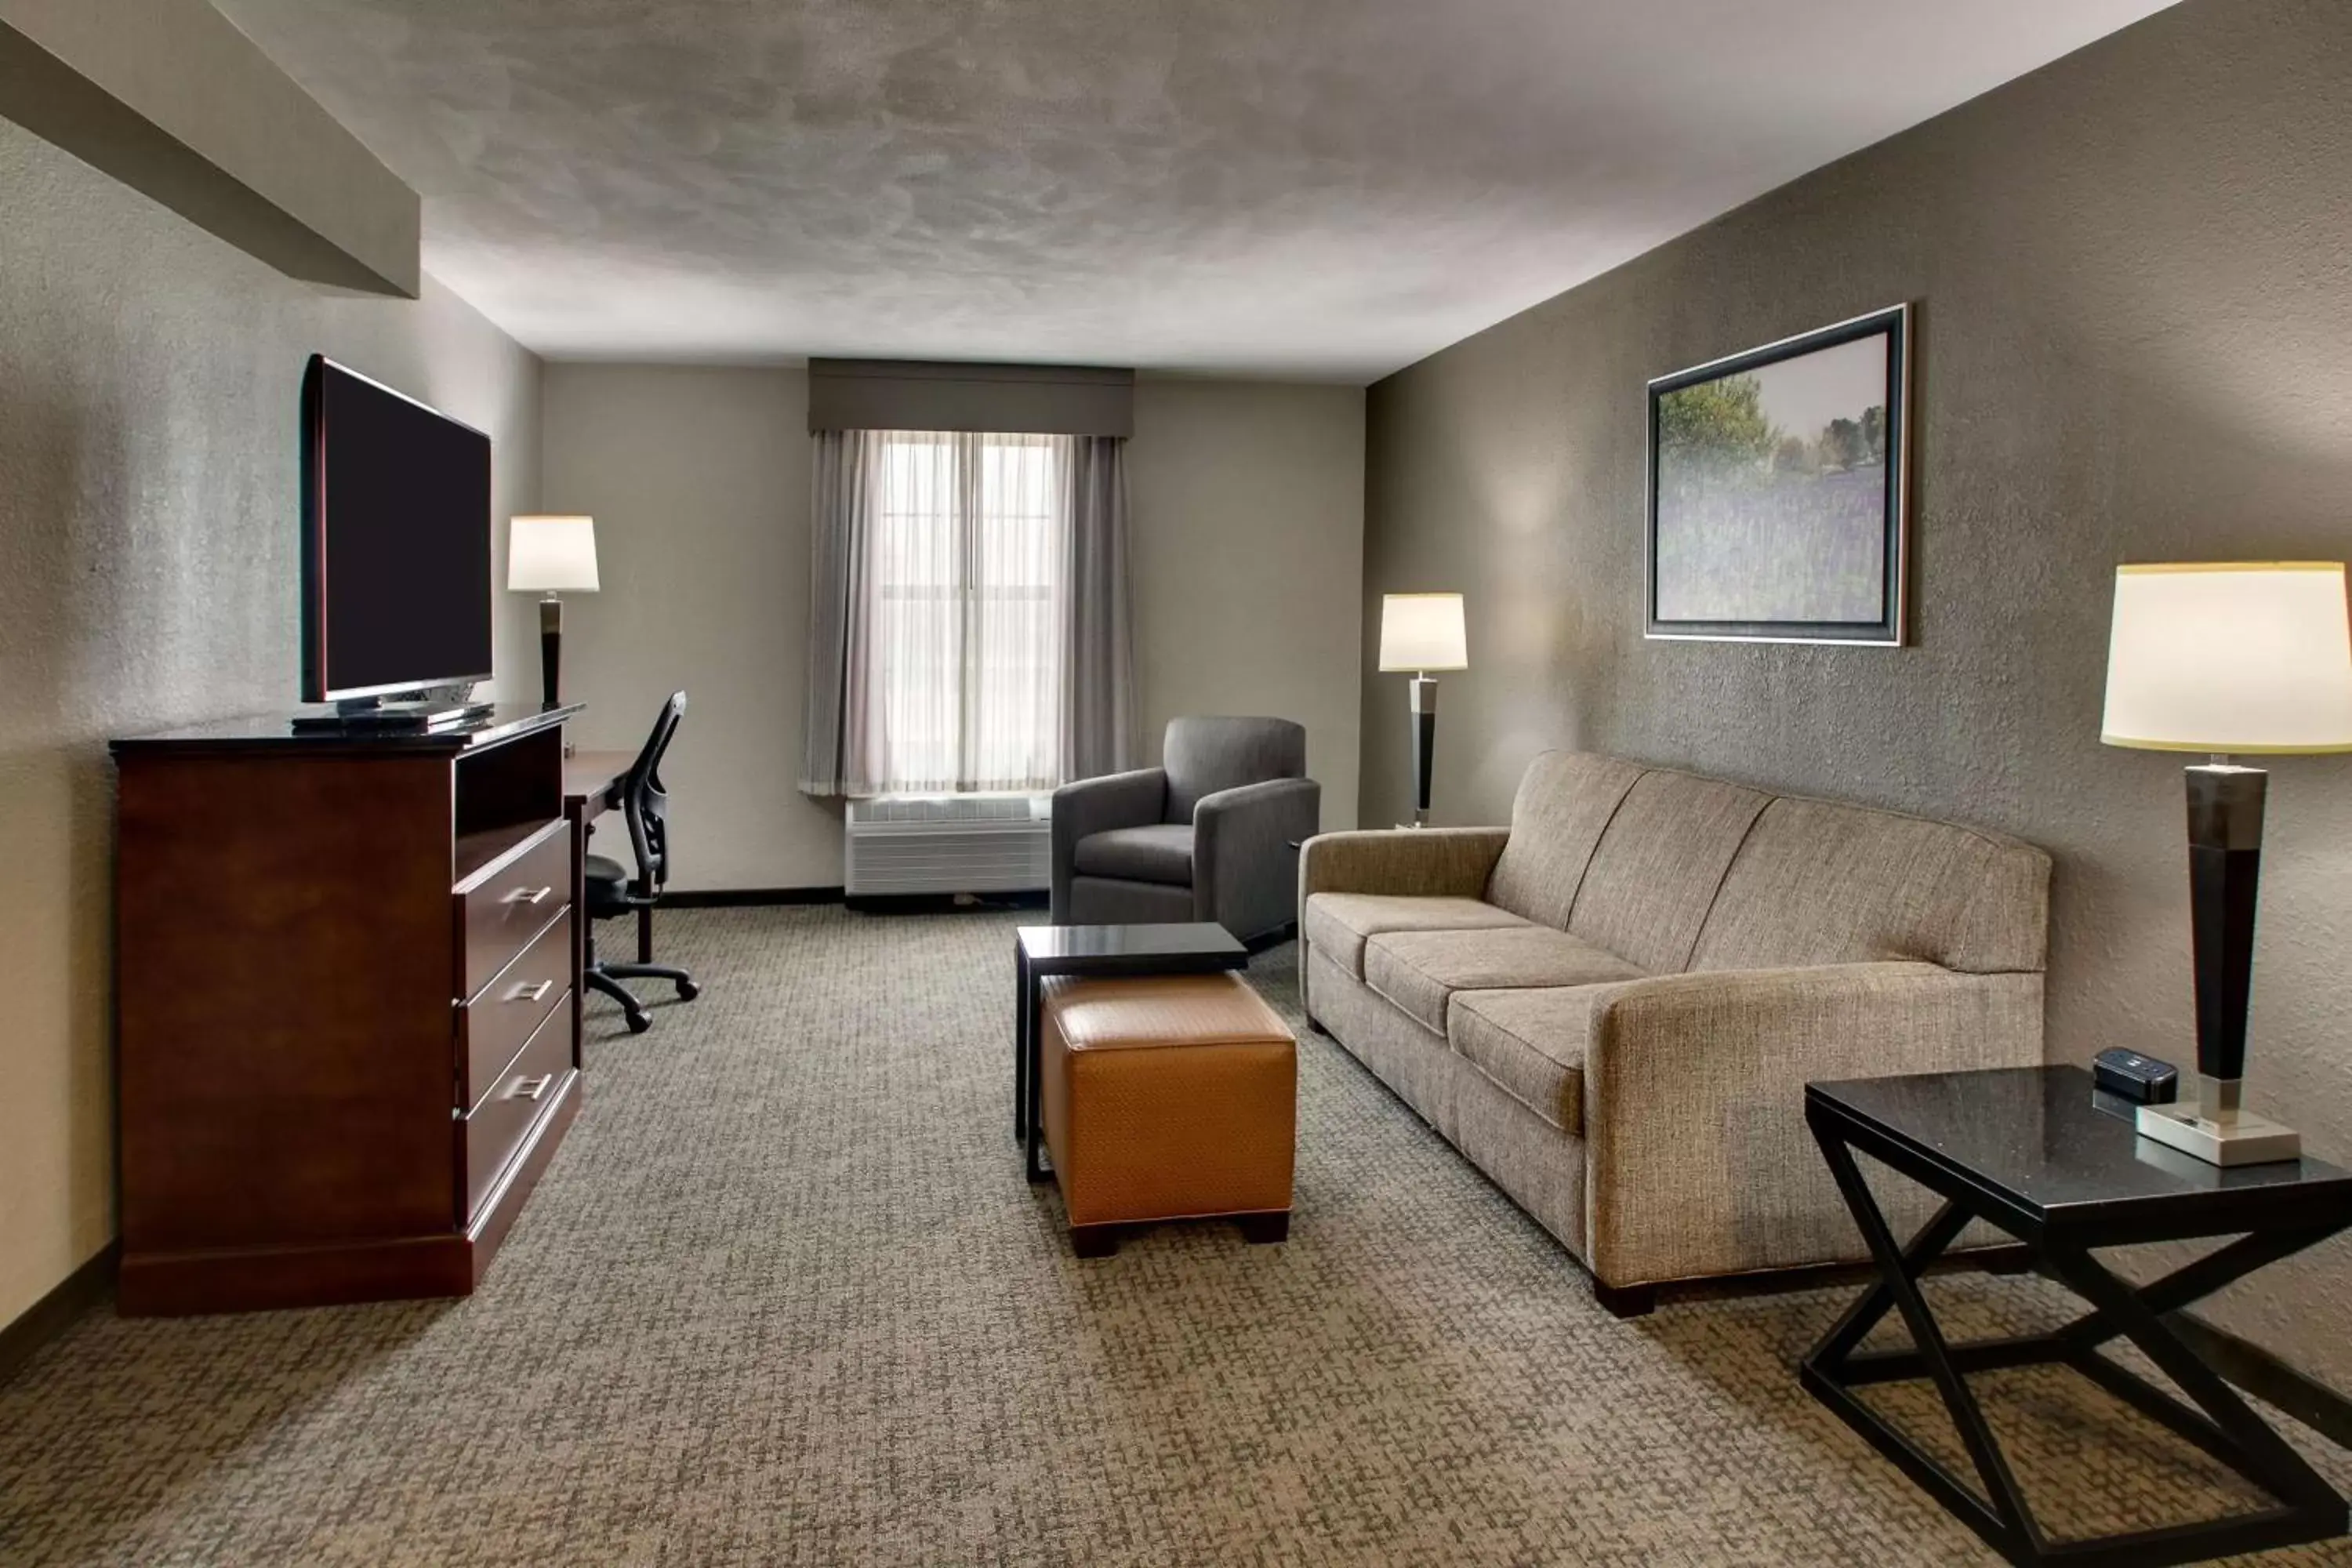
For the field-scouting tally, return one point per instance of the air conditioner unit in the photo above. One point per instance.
(948, 843)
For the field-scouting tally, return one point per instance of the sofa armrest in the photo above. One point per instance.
(1135, 799)
(1429, 862)
(1697, 1157)
(1242, 859)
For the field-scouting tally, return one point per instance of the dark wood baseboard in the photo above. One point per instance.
(748, 898)
(54, 1313)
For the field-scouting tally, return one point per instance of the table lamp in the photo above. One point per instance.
(2250, 658)
(553, 556)
(1422, 632)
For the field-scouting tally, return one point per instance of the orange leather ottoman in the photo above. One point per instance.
(1168, 1097)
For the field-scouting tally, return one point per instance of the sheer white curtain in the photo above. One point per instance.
(964, 670)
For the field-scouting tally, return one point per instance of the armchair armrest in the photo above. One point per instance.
(1430, 862)
(1697, 1157)
(1093, 805)
(1242, 858)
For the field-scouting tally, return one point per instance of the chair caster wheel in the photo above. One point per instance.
(687, 990)
(639, 1023)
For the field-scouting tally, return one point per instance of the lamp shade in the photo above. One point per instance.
(1422, 631)
(2246, 657)
(552, 554)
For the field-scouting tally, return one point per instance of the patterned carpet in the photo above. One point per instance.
(785, 1297)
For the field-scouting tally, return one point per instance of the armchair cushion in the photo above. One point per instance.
(1095, 805)
(1420, 971)
(1338, 923)
(1160, 853)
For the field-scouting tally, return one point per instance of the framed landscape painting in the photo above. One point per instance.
(1780, 493)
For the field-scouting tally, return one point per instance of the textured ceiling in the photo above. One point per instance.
(1319, 188)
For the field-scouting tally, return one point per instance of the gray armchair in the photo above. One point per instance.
(1206, 836)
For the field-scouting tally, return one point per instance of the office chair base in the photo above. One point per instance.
(631, 1008)
(687, 989)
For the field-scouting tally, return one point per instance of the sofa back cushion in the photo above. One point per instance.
(1564, 802)
(1654, 875)
(1817, 882)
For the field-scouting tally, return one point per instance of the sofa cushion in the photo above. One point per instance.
(1417, 971)
(1817, 882)
(1530, 1044)
(1338, 923)
(1564, 802)
(1161, 852)
(1653, 875)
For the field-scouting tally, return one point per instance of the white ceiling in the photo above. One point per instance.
(1304, 188)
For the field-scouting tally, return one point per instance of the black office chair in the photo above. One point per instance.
(611, 890)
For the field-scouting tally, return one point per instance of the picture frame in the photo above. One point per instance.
(1780, 490)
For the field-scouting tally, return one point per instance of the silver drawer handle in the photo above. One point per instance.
(530, 1087)
(530, 993)
(525, 896)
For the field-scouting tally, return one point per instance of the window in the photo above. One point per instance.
(965, 687)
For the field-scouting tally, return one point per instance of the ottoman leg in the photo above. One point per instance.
(1259, 1229)
(1095, 1240)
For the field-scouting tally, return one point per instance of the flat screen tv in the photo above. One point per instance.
(395, 542)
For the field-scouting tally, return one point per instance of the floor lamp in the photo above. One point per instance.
(2240, 658)
(551, 557)
(1422, 632)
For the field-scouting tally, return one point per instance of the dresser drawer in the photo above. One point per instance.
(502, 906)
(527, 1090)
(494, 1025)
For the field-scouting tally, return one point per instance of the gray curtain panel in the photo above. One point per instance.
(841, 523)
(841, 754)
(1098, 717)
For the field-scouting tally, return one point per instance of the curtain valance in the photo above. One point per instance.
(918, 395)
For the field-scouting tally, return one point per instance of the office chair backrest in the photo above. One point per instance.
(645, 803)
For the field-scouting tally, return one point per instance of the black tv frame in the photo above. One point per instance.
(350, 700)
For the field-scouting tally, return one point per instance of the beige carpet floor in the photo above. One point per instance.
(783, 1297)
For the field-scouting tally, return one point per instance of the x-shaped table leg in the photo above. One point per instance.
(2213, 1416)
(2005, 1520)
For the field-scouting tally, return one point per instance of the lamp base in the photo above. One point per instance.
(550, 648)
(1423, 694)
(2216, 1131)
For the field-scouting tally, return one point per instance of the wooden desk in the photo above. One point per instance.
(589, 780)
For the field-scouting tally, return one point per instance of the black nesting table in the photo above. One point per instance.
(1202, 948)
(2026, 1150)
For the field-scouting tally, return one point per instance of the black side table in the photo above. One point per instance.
(1202, 948)
(2025, 1149)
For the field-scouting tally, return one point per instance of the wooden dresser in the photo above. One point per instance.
(345, 971)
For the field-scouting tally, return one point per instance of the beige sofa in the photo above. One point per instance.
(1611, 1007)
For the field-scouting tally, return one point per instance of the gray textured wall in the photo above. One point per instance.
(149, 379)
(1247, 500)
(2135, 342)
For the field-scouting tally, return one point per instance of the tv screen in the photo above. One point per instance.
(395, 540)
